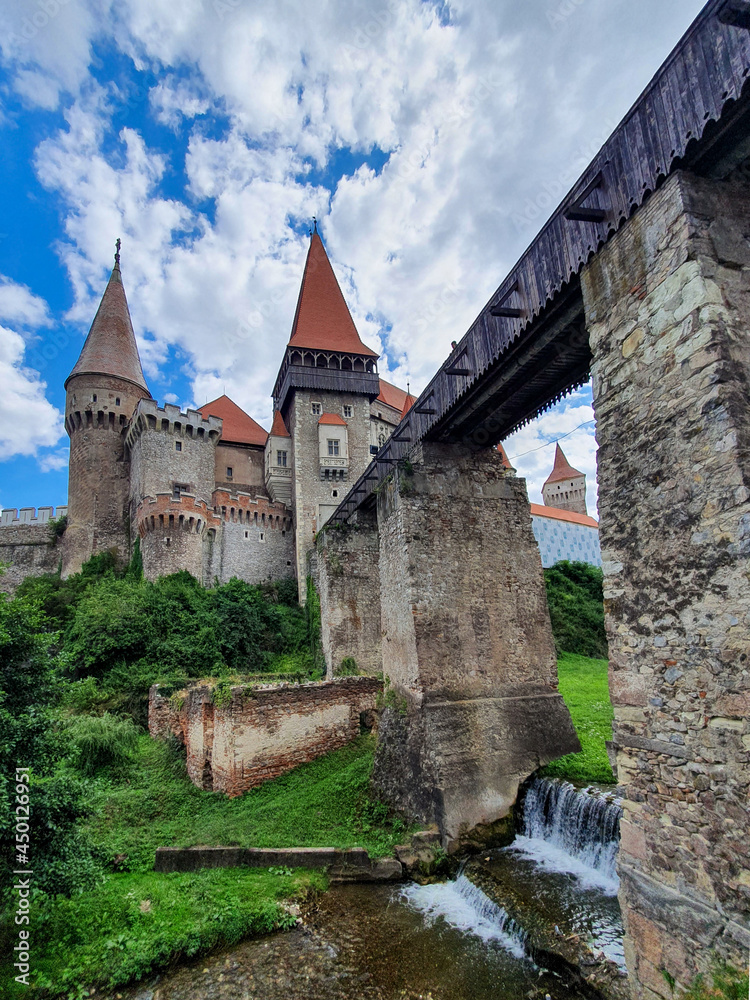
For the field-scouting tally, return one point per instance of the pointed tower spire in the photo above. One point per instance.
(110, 348)
(566, 487)
(322, 321)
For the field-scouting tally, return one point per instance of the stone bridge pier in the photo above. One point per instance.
(471, 700)
(668, 309)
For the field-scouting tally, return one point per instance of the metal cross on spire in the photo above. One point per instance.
(117, 251)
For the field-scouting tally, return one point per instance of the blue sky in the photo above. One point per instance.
(431, 140)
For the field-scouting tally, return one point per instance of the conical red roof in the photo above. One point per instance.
(110, 348)
(278, 429)
(322, 321)
(238, 427)
(408, 403)
(562, 469)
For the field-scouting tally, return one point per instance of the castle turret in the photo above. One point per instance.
(102, 393)
(323, 392)
(279, 462)
(566, 486)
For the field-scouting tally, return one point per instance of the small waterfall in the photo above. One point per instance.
(464, 906)
(572, 830)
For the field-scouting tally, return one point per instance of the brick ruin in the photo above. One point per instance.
(259, 733)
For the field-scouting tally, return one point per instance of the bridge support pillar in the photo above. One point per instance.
(668, 308)
(472, 706)
(349, 586)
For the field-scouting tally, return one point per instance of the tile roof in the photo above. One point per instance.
(408, 403)
(391, 395)
(556, 514)
(110, 347)
(332, 418)
(504, 456)
(562, 469)
(322, 321)
(238, 427)
(278, 428)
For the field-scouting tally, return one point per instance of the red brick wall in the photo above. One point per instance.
(264, 732)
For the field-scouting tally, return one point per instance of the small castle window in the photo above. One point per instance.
(333, 446)
(229, 472)
(316, 409)
(178, 489)
(166, 541)
(178, 446)
(93, 398)
(334, 493)
(247, 534)
(281, 459)
(262, 537)
(117, 400)
(347, 411)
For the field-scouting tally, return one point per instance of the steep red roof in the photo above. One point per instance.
(391, 395)
(562, 469)
(278, 428)
(408, 403)
(238, 427)
(563, 515)
(110, 347)
(332, 418)
(322, 321)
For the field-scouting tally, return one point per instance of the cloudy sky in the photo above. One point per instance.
(430, 138)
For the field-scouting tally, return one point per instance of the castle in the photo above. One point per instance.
(209, 490)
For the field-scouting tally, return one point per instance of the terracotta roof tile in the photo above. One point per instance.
(332, 418)
(110, 347)
(562, 469)
(391, 395)
(408, 403)
(322, 321)
(556, 514)
(278, 429)
(504, 456)
(238, 427)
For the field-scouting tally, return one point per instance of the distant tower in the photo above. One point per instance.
(323, 392)
(566, 486)
(102, 392)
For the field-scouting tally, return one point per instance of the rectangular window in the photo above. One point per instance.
(229, 472)
(317, 409)
(281, 459)
(178, 489)
(333, 446)
(178, 446)
(347, 411)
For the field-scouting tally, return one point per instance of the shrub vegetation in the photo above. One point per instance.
(574, 595)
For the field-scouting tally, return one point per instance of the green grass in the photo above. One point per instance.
(584, 686)
(132, 925)
(322, 804)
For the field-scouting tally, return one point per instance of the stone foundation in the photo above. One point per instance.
(29, 551)
(468, 652)
(668, 308)
(260, 733)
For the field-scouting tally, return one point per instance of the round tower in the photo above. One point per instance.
(101, 394)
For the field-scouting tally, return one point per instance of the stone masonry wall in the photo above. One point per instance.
(28, 550)
(668, 309)
(348, 579)
(467, 643)
(263, 732)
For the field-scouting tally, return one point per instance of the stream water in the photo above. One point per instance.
(445, 941)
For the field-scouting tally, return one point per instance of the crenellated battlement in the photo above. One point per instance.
(170, 419)
(247, 509)
(167, 513)
(11, 517)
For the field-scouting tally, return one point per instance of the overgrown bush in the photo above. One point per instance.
(576, 607)
(100, 742)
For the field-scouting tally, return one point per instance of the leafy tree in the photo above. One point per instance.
(576, 606)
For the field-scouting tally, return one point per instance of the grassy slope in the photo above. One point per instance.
(321, 804)
(137, 921)
(584, 686)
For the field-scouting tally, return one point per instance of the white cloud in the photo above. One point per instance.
(20, 306)
(173, 101)
(54, 461)
(28, 421)
(532, 449)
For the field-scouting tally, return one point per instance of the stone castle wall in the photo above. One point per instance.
(263, 732)
(29, 551)
(668, 308)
